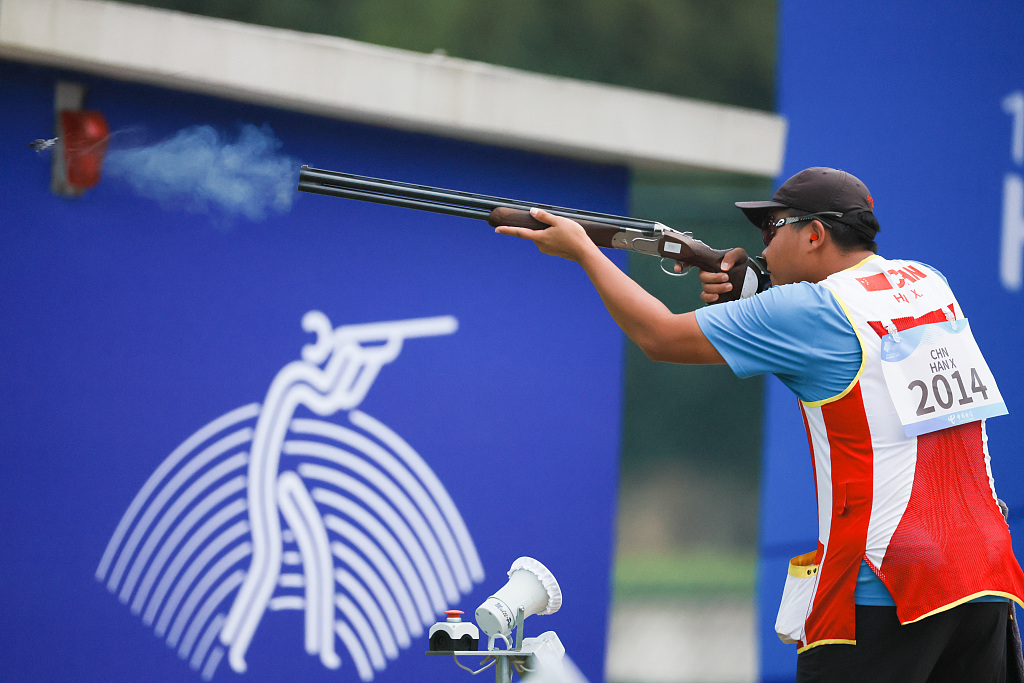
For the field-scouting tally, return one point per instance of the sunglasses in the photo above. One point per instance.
(770, 225)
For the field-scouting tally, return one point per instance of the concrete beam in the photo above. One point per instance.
(345, 79)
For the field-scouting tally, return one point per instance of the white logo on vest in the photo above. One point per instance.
(265, 510)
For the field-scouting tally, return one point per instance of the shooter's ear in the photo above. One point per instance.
(817, 231)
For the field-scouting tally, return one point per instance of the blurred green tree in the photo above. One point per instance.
(717, 50)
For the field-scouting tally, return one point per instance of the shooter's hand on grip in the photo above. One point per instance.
(731, 263)
(721, 285)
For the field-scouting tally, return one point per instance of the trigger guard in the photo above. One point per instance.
(661, 264)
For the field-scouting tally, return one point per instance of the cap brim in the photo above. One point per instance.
(756, 211)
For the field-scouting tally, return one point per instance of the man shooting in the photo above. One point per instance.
(914, 571)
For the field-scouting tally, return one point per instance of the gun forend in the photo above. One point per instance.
(602, 234)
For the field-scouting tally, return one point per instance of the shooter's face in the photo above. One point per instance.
(782, 252)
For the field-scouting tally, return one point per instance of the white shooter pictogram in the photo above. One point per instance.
(271, 507)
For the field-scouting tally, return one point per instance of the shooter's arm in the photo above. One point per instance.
(661, 334)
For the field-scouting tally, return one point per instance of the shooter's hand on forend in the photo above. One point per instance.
(553, 235)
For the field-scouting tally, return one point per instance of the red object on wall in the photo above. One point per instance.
(85, 135)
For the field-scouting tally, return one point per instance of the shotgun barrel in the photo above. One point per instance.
(438, 200)
(606, 230)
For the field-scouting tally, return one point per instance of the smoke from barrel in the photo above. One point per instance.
(203, 171)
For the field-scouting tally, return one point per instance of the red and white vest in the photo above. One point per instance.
(921, 510)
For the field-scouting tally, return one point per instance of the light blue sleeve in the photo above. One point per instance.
(796, 332)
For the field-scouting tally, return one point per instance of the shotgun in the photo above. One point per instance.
(747, 275)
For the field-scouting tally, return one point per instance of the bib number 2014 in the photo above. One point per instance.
(942, 392)
(937, 377)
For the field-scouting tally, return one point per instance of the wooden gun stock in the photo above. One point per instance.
(675, 246)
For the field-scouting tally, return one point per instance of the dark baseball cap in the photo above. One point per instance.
(817, 190)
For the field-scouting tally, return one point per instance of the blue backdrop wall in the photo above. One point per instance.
(173, 438)
(924, 103)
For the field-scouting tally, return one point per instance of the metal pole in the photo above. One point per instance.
(502, 670)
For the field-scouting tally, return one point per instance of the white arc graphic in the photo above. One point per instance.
(265, 510)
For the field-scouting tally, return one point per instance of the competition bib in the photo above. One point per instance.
(937, 377)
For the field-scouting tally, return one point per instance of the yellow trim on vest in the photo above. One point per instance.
(860, 340)
(800, 566)
(863, 357)
(834, 641)
(856, 267)
(961, 601)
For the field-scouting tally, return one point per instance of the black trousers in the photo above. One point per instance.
(963, 644)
